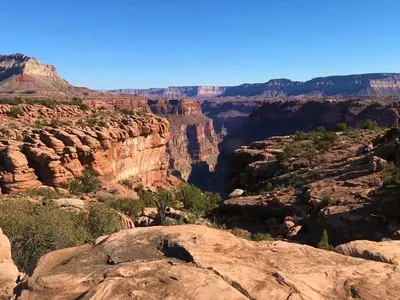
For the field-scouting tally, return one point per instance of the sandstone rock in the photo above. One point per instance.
(236, 193)
(293, 231)
(377, 163)
(387, 251)
(8, 271)
(68, 202)
(194, 262)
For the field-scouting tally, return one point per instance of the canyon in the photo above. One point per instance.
(287, 174)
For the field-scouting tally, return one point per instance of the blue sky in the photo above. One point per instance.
(106, 44)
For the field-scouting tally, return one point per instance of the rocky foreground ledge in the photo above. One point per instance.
(196, 262)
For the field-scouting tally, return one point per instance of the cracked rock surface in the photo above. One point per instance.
(196, 262)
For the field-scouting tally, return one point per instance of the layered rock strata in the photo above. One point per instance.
(124, 147)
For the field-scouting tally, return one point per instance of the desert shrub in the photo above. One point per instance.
(58, 123)
(126, 183)
(49, 103)
(369, 125)
(288, 152)
(130, 207)
(391, 174)
(15, 112)
(341, 127)
(17, 101)
(216, 225)
(262, 237)
(128, 112)
(44, 193)
(301, 136)
(241, 233)
(324, 242)
(327, 200)
(195, 201)
(87, 184)
(310, 154)
(324, 140)
(146, 197)
(103, 220)
(92, 122)
(35, 230)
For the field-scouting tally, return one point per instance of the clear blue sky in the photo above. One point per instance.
(105, 44)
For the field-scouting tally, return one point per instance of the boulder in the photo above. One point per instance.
(69, 203)
(196, 262)
(8, 271)
(387, 251)
(236, 193)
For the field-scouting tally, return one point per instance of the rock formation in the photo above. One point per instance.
(372, 85)
(23, 75)
(122, 147)
(8, 271)
(193, 147)
(196, 262)
(340, 189)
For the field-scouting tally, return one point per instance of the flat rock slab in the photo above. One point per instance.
(197, 262)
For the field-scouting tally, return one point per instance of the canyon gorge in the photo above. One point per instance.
(293, 161)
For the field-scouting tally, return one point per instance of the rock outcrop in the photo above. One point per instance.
(195, 262)
(122, 147)
(340, 190)
(23, 75)
(8, 271)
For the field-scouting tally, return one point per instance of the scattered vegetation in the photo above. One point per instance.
(49, 103)
(45, 194)
(59, 123)
(262, 237)
(324, 242)
(342, 127)
(129, 207)
(196, 201)
(369, 125)
(87, 184)
(15, 112)
(35, 229)
(327, 200)
(391, 175)
(310, 154)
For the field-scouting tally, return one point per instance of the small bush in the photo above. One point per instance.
(45, 194)
(391, 174)
(88, 184)
(288, 152)
(310, 154)
(215, 225)
(327, 200)
(146, 197)
(324, 242)
(196, 201)
(15, 112)
(369, 125)
(342, 127)
(58, 123)
(262, 237)
(302, 136)
(129, 207)
(35, 230)
(103, 220)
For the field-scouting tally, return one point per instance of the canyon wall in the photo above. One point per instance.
(372, 85)
(193, 146)
(118, 147)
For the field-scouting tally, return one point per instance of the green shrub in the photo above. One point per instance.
(342, 127)
(195, 201)
(146, 197)
(17, 101)
(288, 152)
(88, 184)
(241, 233)
(324, 242)
(324, 140)
(15, 112)
(44, 193)
(129, 207)
(262, 237)
(369, 125)
(391, 174)
(103, 220)
(35, 230)
(310, 154)
(327, 200)
(215, 225)
(58, 123)
(302, 136)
